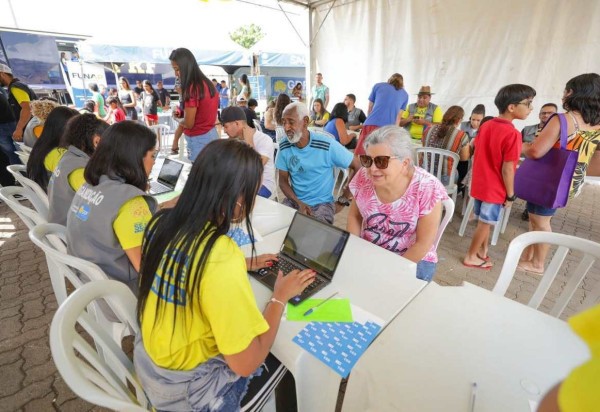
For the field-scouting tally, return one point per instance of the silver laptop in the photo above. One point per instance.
(309, 244)
(167, 177)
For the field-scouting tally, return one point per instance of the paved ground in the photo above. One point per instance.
(30, 382)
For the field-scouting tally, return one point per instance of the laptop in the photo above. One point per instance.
(309, 244)
(167, 177)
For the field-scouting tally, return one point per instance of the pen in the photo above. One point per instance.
(473, 395)
(311, 310)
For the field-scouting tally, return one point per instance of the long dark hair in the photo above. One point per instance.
(227, 172)
(48, 141)
(322, 111)
(443, 131)
(244, 79)
(340, 111)
(121, 153)
(191, 77)
(80, 132)
(585, 97)
(282, 101)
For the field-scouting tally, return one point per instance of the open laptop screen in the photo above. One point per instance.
(169, 172)
(315, 244)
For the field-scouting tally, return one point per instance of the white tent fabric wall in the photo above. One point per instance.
(466, 50)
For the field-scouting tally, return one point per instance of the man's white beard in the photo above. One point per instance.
(295, 138)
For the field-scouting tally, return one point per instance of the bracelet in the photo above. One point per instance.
(273, 300)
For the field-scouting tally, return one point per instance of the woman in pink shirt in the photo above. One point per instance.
(201, 102)
(397, 204)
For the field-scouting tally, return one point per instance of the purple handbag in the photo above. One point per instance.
(546, 181)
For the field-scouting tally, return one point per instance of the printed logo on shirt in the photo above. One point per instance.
(384, 232)
(295, 166)
(83, 213)
(167, 292)
(138, 227)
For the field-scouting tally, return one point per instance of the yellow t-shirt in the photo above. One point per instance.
(52, 158)
(131, 221)
(222, 318)
(580, 391)
(416, 130)
(76, 179)
(20, 95)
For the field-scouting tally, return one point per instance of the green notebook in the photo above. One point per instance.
(334, 310)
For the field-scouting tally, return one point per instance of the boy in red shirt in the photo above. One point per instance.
(497, 153)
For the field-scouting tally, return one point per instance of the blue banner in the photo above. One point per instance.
(286, 85)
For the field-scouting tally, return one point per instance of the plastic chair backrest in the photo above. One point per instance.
(257, 125)
(448, 206)
(23, 157)
(88, 374)
(436, 162)
(29, 216)
(40, 202)
(336, 176)
(565, 243)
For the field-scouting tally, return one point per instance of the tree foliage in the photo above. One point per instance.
(247, 36)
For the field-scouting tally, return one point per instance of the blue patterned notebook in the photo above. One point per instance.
(338, 345)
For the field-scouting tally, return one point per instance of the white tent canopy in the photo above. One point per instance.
(465, 50)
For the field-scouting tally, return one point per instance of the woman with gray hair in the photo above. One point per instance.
(397, 204)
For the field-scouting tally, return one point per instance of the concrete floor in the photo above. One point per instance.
(30, 382)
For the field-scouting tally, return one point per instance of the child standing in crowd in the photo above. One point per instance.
(497, 153)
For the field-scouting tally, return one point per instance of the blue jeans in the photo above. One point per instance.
(195, 144)
(7, 145)
(426, 270)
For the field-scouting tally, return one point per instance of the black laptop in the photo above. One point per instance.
(167, 177)
(309, 244)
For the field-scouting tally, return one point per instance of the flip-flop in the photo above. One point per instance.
(480, 266)
(487, 258)
(519, 267)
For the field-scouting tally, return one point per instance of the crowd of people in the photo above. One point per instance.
(200, 327)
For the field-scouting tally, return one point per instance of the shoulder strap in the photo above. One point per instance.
(563, 130)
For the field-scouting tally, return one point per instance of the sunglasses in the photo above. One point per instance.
(381, 162)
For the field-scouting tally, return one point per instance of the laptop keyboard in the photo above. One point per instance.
(286, 267)
(158, 188)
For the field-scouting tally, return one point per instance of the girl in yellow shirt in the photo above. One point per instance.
(202, 337)
(46, 152)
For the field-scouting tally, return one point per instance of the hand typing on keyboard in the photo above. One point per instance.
(292, 284)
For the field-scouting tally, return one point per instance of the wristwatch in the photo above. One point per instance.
(511, 198)
(342, 200)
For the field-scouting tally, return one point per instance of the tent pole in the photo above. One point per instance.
(309, 67)
(292, 24)
(312, 39)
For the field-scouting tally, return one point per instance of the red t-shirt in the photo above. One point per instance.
(119, 115)
(206, 112)
(497, 141)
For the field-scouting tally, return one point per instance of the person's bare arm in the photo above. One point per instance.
(286, 287)
(409, 119)
(545, 140)
(284, 185)
(508, 176)
(465, 152)
(132, 98)
(370, 108)
(399, 118)
(345, 138)
(189, 117)
(23, 119)
(354, 222)
(427, 227)
(135, 257)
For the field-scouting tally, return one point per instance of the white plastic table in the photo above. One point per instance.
(448, 338)
(269, 216)
(376, 280)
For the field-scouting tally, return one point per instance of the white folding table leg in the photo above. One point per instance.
(467, 214)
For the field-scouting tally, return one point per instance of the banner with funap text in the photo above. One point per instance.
(80, 75)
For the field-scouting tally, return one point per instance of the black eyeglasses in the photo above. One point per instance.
(528, 103)
(381, 162)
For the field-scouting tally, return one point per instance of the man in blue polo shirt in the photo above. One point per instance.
(306, 159)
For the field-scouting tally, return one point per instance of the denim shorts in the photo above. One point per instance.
(426, 270)
(540, 210)
(195, 144)
(487, 212)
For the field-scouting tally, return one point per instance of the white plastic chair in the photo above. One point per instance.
(23, 147)
(78, 272)
(40, 201)
(11, 196)
(336, 175)
(565, 243)
(448, 206)
(162, 131)
(85, 371)
(500, 227)
(437, 166)
(23, 156)
(257, 125)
